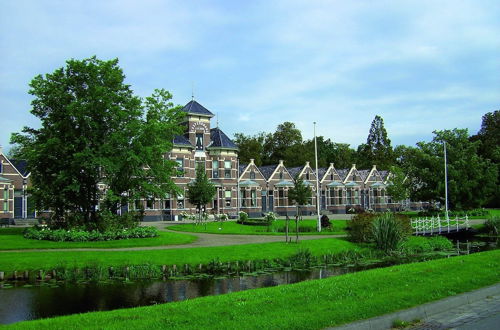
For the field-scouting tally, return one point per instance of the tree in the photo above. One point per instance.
(471, 178)
(397, 185)
(299, 195)
(95, 133)
(277, 145)
(377, 150)
(251, 147)
(201, 191)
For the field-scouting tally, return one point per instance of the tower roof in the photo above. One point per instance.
(180, 140)
(195, 108)
(220, 140)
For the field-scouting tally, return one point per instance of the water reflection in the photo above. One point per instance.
(28, 303)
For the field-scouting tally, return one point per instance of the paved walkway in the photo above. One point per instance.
(475, 310)
(204, 240)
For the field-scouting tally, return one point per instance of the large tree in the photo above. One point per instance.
(278, 146)
(96, 141)
(471, 178)
(251, 147)
(377, 150)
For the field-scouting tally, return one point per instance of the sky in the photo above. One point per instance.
(421, 65)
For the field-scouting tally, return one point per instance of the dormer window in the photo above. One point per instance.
(199, 141)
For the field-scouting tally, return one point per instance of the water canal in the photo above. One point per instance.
(20, 301)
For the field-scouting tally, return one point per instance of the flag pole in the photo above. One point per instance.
(317, 178)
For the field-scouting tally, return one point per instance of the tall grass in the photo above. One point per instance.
(387, 232)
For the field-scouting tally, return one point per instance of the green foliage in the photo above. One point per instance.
(250, 147)
(75, 235)
(281, 145)
(242, 217)
(418, 244)
(300, 193)
(454, 213)
(360, 227)
(397, 186)
(472, 180)
(94, 130)
(325, 222)
(492, 226)
(201, 191)
(377, 149)
(387, 232)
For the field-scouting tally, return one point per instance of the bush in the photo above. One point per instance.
(359, 228)
(78, 235)
(243, 217)
(325, 222)
(388, 233)
(492, 226)
(415, 245)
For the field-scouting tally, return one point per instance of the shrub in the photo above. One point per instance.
(492, 225)
(325, 222)
(440, 243)
(359, 228)
(387, 232)
(78, 235)
(419, 244)
(243, 217)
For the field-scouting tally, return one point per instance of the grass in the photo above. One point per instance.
(338, 228)
(492, 212)
(11, 261)
(12, 239)
(307, 305)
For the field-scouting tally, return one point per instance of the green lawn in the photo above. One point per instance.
(338, 228)
(307, 305)
(12, 239)
(10, 261)
(492, 212)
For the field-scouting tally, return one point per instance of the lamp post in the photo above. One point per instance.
(445, 182)
(317, 178)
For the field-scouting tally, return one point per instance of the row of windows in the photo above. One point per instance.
(215, 168)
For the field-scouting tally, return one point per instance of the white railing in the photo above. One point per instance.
(436, 225)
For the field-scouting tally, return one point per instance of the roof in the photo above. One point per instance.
(21, 165)
(294, 171)
(284, 183)
(220, 140)
(335, 184)
(343, 173)
(364, 174)
(267, 170)
(352, 184)
(321, 172)
(247, 183)
(241, 169)
(182, 141)
(383, 174)
(194, 107)
(4, 179)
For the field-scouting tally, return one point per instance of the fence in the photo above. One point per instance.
(436, 225)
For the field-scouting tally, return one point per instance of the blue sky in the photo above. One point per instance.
(421, 65)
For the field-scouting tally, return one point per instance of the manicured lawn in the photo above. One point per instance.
(10, 261)
(338, 228)
(307, 305)
(492, 212)
(12, 239)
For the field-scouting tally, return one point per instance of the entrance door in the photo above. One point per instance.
(271, 201)
(18, 207)
(264, 202)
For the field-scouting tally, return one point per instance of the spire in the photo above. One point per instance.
(217, 120)
(192, 90)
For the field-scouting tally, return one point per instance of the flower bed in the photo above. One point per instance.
(75, 235)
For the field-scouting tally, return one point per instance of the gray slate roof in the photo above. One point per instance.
(343, 173)
(21, 165)
(321, 172)
(182, 140)
(220, 140)
(197, 109)
(383, 174)
(364, 174)
(241, 169)
(294, 171)
(267, 170)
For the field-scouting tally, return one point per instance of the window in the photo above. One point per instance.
(150, 202)
(215, 169)
(281, 175)
(308, 176)
(281, 193)
(253, 198)
(227, 169)
(137, 204)
(252, 175)
(1, 167)
(6, 200)
(166, 204)
(180, 167)
(227, 196)
(331, 176)
(199, 141)
(243, 197)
